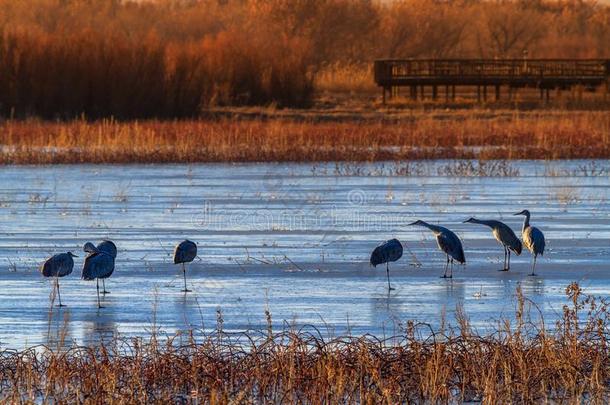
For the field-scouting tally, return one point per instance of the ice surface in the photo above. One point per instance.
(295, 238)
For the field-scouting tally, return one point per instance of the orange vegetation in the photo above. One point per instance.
(469, 134)
(172, 58)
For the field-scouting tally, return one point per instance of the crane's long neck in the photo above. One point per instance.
(482, 222)
(433, 228)
(526, 222)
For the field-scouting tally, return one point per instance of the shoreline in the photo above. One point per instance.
(468, 134)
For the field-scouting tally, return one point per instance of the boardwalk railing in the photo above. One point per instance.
(544, 74)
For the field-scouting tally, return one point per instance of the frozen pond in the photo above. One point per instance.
(293, 238)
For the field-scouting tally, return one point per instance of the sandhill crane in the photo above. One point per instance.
(504, 235)
(58, 265)
(388, 251)
(533, 238)
(448, 242)
(99, 264)
(108, 247)
(185, 252)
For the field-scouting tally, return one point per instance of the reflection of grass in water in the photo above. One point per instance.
(122, 193)
(457, 168)
(523, 361)
(566, 195)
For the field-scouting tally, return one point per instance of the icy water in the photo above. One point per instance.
(291, 238)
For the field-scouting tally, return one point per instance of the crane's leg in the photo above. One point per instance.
(505, 254)
(451, 272)
(184, 275)
(58, 294)
(446, 268)
(97, 281)
(104, 287)
(508, 268)
(387, 269)
(534, 266)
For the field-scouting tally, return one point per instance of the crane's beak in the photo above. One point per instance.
(519, 213)
(412, 223)
(469, 220)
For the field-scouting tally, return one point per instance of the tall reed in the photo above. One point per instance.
(525, 360)
(468, 135)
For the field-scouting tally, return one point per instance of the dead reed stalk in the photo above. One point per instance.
(558, 135)
(523, 361)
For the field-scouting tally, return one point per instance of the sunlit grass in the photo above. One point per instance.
(470, 134)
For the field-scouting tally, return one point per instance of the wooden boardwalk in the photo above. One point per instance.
(543, 74)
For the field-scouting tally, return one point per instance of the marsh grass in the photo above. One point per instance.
(523, 361)
(458, 135)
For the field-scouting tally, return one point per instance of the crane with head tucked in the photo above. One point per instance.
(185, 252)
(533, 238)
(388, 251)
(504, 235)
(99, 264)
(448, 242)
(59, 265)
(108, 247)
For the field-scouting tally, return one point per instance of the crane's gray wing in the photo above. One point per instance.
(538, 241)
(97, 265)
(449, 243)
(107, 246)
(507, 237)
(59, 265)
(185, 252)
(533, 239)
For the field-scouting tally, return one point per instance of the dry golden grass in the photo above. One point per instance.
(406, 135)
(524, 361)
(346, 78)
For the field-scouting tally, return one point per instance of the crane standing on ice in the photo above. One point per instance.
(99, 264)
(58, 265)
(504, 235)
(533, 238)
(448, 242)
(185, 252)
(389, 251)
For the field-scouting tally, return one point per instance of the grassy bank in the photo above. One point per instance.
(348, 137)
(523, 361)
